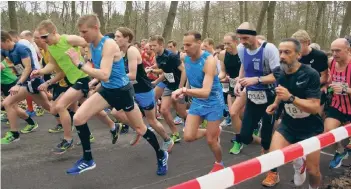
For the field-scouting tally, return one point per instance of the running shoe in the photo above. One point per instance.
(29, 128)
(80, 166)
(57, 129)
(176, 138)
(337, 160)
(177, 120)
(271, 180)
(237, 147)
(217, 167)
(39, 111)
(167, 146)
(9, 138)
(162, 166)
(116, 132)
(63, 146)
(300, 171)
(30, 113)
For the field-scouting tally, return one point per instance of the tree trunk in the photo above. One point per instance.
(307, 13)
(13, 15)
(167, 31)
(146, 19)
(97, 8)
(205, 19)
(346, 21)
(246, 12)
(321, 5)
(73, 16)
(82, 11)
(270, 21)
(87, 7)
(261, 17)
(241, 13)
(128, 13)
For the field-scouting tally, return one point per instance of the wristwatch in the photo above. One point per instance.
(19, 84)
(259, 80)
(291, 99)
(80, 65)
(48, 82)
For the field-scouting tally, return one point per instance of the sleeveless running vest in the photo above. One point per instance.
(339, 101)
(254, 66)
(196, 75)
(58, 52)
(142, 83)
(118, 77)
(232, 64)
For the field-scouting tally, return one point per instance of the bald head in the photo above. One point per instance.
(340, 50)
(247, 26)
(38, 40)
(26, 34)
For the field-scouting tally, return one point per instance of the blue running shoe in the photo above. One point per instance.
(30, 113)
(162, 166)
(80, 166)
(337, 160)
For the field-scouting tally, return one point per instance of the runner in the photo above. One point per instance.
(299, 91)
(339, 111)
(22, 59)
(172, 69)
(76, 79)
(258, 61)
(144, 93)
(206, 91)
(230, 65)
(116, 91)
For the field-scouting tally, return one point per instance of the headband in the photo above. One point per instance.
(246, 32)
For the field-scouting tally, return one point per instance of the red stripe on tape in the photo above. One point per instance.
(348, 128)
(246, 170)
(292, 152)
(326, 139)
(191, 184)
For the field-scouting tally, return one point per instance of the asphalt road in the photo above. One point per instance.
(30, 164)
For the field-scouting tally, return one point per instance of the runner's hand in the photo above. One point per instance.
(271, 109)
(43, 87)
(282, 93)
(177, 94)
(14, 90)
(73, 55)
(337, 88)
(237, 89)
(35, 73)
(248, 81)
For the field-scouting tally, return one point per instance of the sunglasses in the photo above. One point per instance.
(45, 36)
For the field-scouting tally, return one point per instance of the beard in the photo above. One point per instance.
(286, 67)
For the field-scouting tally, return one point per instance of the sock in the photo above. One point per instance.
(15, 134)
(114, 127)
(30, 103)
(71, 114)
(84, 136)
(151, 138)
(274, 170)
(29, 121)
(237, 138)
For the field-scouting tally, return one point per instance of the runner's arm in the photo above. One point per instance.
(210, 72)
(183, 75)
(50, 67)
(27, 69)
(132, 54)
(324, 77)
(159, 79)
(58, 77)
(76, 41)
(109, 51)
(223, 73)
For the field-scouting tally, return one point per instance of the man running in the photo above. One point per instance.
(206, 91)
(77, 79)
(258, 62)
(173, 77)
(339, 111)
(22, 59)
(115, 91)
(144, 93)
(299, 91)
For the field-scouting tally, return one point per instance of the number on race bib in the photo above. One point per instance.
(295, 112)
(232, 82)
(257, 97)
(225, 87)
(19, 68)
(169, 77)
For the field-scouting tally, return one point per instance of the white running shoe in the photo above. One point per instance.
(300, 171)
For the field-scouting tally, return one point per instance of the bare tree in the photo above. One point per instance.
(73, 16)
(128, 13)
(146, 19)
(82, 6)
(307, 14)
(270, 21)
(321, 5)
(97, 8)
(13, 15)
(167, 31)
(262, 16)
(246, 12)
(204, 26)
(241, 13)
(346, 21)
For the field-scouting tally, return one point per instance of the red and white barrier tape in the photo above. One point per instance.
(246, 170)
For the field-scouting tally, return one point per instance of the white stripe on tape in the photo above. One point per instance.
(271, 160)
(340, 133)
(220, 180)
(310, 145)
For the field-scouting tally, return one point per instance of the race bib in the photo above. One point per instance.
(169, 77)
(232, 82)
(225, 87)
(341, 84)
(19, 69)
(257, 97)
(295, 112)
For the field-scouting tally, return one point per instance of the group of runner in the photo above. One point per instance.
(272, 96)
